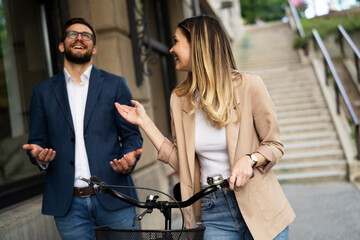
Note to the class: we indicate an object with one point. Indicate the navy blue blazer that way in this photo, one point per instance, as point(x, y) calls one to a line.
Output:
point(106, 134)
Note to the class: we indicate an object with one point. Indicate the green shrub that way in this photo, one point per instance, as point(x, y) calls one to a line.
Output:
point(299, 42)
point(327, 25)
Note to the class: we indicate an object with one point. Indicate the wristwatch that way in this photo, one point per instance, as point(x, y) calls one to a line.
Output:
point(254, 158)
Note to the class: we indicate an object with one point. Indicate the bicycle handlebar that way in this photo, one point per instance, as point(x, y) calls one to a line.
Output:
point(216, 183)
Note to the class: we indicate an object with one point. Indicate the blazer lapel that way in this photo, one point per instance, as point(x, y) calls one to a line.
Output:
point(189, 132)
point(95, 83)
point(232, 131)
point(60, 92)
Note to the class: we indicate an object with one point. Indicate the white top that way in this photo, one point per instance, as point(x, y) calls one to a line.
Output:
point(77, 94)
point(211, 148)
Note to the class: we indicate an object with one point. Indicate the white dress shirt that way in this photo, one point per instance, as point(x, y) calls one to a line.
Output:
point(77, 94)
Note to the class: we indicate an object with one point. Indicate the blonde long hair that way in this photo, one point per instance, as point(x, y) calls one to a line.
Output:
point(213, 68)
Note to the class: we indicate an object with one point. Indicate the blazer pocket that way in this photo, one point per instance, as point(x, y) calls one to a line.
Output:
point(269, 196)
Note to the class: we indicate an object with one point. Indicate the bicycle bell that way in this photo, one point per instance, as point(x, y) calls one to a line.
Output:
point(215, 180)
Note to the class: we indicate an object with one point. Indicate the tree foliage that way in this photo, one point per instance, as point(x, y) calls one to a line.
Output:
point(266, 10)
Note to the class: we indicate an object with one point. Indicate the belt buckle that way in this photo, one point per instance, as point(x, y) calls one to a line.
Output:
point(84, 192)
point(82, 195)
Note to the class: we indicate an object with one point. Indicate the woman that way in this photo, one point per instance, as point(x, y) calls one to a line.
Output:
point(223, 121)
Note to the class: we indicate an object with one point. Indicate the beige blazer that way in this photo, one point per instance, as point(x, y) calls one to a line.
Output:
point(262, 202)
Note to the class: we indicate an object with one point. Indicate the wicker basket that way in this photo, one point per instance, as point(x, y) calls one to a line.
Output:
point(106, 233)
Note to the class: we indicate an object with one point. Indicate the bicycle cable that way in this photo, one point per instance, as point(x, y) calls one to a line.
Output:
point(158, 191)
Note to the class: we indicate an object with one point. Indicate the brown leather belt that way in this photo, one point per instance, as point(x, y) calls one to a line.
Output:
point(84, 192)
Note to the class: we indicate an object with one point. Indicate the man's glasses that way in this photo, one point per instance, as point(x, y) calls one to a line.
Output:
point(84, 35)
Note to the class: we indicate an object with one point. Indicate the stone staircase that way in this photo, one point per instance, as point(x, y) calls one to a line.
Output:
point(312, 148)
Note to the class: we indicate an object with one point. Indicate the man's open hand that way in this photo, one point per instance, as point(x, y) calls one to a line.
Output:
point(40, 154)
point(126, 163)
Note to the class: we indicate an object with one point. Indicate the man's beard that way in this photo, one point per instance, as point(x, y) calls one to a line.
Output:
point(77, 58)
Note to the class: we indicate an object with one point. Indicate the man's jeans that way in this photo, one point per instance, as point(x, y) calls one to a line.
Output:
point(87, 213)
point(222, 218)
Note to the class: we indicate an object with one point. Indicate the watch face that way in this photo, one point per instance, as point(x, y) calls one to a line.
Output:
point(255, 159)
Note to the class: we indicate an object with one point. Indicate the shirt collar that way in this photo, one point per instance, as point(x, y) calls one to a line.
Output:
point(84, 77)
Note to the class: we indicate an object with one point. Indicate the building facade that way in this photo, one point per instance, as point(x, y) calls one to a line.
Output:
point(133, 39)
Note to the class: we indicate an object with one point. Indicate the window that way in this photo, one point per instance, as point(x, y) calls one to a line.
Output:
point(151, 41)
point(24, 61)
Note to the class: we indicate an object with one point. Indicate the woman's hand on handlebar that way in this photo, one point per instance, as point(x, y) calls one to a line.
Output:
point(134, 115)
point(241, 173)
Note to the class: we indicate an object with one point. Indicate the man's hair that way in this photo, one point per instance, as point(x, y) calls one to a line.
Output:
point(73, 21)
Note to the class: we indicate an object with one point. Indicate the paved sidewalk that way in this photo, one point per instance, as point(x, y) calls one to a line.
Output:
point(324, 210)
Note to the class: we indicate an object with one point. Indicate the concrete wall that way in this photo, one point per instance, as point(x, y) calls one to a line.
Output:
point(24, 221)
point(229, 14)
point(332, 45)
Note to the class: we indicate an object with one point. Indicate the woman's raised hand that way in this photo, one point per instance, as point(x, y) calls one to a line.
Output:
point(137, 115)
point(134, 115)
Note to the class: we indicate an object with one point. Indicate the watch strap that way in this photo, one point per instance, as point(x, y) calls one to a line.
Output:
point(255, 162)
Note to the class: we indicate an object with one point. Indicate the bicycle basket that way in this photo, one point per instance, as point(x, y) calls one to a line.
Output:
point(106, 233)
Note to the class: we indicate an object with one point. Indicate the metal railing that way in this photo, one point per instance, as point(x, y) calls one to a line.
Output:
point(338, 88)
point(344, 35)
point(297, 19)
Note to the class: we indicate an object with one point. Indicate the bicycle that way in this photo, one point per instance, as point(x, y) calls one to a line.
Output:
point(103, 232)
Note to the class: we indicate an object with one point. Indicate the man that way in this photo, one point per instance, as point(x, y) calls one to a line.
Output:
point(76, 131)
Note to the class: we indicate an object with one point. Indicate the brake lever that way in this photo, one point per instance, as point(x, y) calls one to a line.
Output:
point(139, 217)
point(93, 181)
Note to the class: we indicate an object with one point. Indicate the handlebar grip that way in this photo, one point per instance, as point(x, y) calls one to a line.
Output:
point(96, 180)
point(177, 192)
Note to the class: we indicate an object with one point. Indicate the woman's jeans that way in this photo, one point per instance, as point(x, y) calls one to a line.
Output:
point(222, 218)
point(87, 213)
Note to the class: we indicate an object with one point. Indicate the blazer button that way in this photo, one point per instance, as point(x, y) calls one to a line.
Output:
point(72, 139)
point(72, 163)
